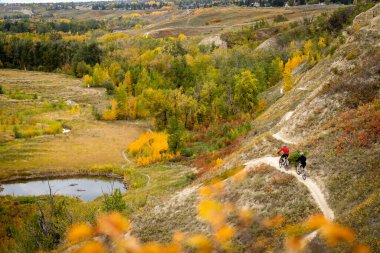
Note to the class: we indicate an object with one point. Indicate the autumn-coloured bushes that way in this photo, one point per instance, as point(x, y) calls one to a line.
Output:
point(229, 227)
point(360, 127)
point(29, 131)
point(151, 147)
point(361, 85)
point(281, 178)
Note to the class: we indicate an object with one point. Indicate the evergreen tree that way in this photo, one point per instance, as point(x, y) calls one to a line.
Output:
point(176, 131)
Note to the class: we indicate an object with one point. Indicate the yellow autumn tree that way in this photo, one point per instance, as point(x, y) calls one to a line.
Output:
point(294, 50)
point(307, 49)
point(150, 147)
point(128, 82)
point(290, 65)
point(87, 81)
point(110, 114)
point(113, 72)
point(288, 79)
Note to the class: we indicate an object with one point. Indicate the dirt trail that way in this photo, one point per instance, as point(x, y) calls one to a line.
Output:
point(313, 188)
point(315, 191)
point(278, 135)
point(129, 162)
point(280, 138)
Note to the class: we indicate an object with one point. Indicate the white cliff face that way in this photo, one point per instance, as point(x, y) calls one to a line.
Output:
point(213, 40)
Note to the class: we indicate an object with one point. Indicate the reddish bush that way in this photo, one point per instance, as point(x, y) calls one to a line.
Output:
point(359, 127)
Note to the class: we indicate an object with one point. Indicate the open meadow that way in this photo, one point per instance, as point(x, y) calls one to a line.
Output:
point(35, 103)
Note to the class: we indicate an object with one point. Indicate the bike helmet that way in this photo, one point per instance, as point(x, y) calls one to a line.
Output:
point(301, 153)
point(284, 145)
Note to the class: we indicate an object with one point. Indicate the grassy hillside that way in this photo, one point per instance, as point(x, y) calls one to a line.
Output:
point(219, 20)
point(334, 117)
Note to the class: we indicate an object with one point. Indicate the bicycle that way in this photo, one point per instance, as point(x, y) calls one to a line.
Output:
point(301, 171)
point(283, 162)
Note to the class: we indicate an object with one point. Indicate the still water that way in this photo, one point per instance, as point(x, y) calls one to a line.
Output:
point(86, 189)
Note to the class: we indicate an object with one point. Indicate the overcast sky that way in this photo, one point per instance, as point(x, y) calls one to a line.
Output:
point(47, 1)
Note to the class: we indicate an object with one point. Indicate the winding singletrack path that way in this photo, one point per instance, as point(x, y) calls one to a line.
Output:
point(129, 161)
point(313, 188)
point(278, 135)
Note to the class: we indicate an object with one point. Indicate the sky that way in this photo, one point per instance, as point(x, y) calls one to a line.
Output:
point(47, 1)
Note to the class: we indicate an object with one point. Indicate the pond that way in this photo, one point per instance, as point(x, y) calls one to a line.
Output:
point(86, 189)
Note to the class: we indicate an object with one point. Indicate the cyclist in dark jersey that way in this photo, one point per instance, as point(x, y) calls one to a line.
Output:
point(302, 160)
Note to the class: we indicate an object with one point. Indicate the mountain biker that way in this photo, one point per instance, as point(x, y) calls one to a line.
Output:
point(302, 160)
point(285, 152)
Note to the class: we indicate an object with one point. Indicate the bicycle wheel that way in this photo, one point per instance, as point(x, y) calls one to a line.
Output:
point(280, 163)
point(286, 164)
point(304, 175)
point(298, 170)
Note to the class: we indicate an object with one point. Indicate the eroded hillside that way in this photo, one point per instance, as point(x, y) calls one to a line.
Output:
point(332, 114)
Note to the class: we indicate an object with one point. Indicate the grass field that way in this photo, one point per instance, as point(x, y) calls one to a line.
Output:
point(44, 99)
point(217, 20)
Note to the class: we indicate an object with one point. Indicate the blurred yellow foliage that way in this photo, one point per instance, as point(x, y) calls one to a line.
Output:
point(200, 242)
point(334, 233)
point(224, 234)
point(316, 221)
point(181, 36)
point(246, 216)
point(294, 244)
point(79, 232)
point(211, 211)
point(113, 224)
point(273, 222)
point(91, 247)
point(217, 214)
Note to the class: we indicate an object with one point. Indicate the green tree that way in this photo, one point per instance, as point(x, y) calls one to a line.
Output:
point(116, 73)
point(143, 82)
point(121, 97)
point(176, 132)
point(114, 201)
point(275, 71)
point(180, 73)
point(246, 91)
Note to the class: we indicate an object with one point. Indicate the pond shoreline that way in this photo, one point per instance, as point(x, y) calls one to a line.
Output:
point(86, 188)
point(62, 175)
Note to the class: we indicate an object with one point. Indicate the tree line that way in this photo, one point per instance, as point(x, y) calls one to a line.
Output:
point(46, 53)
point(30, 26)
